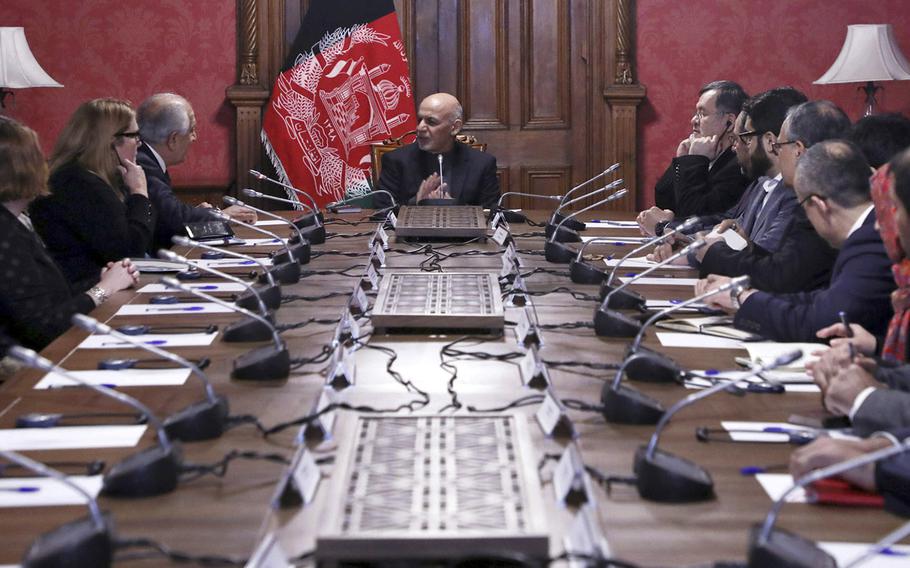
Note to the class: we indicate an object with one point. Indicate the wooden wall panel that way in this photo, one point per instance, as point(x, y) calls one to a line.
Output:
point(546, 88)
point(483, 82)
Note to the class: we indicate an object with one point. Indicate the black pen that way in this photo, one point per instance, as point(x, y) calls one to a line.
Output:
point(843, 319)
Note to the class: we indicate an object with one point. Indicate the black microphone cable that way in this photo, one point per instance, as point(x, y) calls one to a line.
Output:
point(157, 549)
point(191, 471)
point(448, 350)
point(341, 272)
point(290, 298)
point(306, 322)
point(348, 235)
point(606, 481)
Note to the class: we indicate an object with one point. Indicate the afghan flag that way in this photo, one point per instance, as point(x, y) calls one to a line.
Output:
point(345, 85)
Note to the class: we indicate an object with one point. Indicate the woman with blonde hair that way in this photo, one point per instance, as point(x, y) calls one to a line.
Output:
point(98, 210)
point(36, 302)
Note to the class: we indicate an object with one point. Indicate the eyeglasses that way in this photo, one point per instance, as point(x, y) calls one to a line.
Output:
point(133, 134)
point(701, 115)
point(744, 135)
point(775, 146)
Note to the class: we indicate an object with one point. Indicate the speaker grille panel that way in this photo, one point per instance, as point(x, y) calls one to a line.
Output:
point(439, 300)
point(466, 221)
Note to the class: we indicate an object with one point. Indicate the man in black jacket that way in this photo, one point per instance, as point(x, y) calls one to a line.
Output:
point(167, 125)
point(704, 177)
point(412, 173)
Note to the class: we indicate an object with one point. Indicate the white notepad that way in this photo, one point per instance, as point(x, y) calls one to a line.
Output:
point(207, 287)
point(123, 378)
point(228, 262)
point(664, 304)
point(763, 352)
point(776, 484)
point(71, 437)
point(845, 552)
point(182, 309)
point(643, 262)
point(157, 339)
point(649, 281)
point(609, 223)
point(50, 492)
point(697, 341)
point(269, 222)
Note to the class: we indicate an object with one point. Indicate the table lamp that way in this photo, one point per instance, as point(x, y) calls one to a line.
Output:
point(18, 67)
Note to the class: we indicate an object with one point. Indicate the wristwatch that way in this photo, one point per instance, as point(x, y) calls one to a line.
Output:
point(98, 295)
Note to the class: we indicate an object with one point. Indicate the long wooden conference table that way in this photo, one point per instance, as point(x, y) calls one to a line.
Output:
point(230, 515)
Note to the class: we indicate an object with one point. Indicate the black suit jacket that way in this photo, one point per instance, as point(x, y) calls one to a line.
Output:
point(892, 479)
point(85, 223)
point(861, 286)
point(36, 302)
point(802, 260)
point(471, 175)
point(693, 186)
point(172, 213)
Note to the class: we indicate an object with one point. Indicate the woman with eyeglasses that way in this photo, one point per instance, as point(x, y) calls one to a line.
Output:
point(98, 210)
point(36, 301)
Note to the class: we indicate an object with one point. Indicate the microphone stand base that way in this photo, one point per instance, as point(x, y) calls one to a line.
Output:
point(572, 223)
point(583, 273)
point(308, 220)
point(267, 363)
point(563, 235)
point(204, 420)
point(558, 252)
point(625, 405)
point(624, 299)
point(784, 549)
point(649, 366)
point(153, 471)
point(301, 253)
point(287, 273)
point(610, 323)
point(247, 329)
point(78, 543)
point(666, 478)
point(271, 297)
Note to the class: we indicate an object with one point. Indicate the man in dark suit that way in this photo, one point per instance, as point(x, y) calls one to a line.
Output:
point(437, 166)
point(832, 185)
point(167, 126)
point(704, 177)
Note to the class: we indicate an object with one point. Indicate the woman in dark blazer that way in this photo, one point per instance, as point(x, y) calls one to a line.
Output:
point(36, 301)
point(98, 210)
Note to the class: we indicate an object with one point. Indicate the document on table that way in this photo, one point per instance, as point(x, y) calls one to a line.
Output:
point(658, 281)
point(763, 352)
point(757, 431)
point(156, 339)
point(268, 222)
point(610, 224)
point(793, 382)
point(697, 341)
point(209, 288)
point(71, 437)
point(623, 240)
point(263, 242)
point(897, 556)
point(228, 262)
point(46, 491)
point(776, 484)
point(664, 304)
point(122, 378)
point(643, 262)
point(184, 308)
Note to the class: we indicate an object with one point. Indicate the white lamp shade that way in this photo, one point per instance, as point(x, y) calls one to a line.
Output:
point(870, 53)
point(18, 68)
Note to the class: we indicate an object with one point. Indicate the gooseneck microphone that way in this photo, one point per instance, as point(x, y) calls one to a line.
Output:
point(313, 218)
point(609, 322)
point(314, 234)
point(556, 251)
point(514, 216)
point(150, 472)
point(776, 547)
point(88, 541)
point(625, 405)
point(265, 277)
point(172, 256)
point(573, 224)
point(629, 299)
point(286, 272)
point(664, 477)
point(302, 249)
point(200, 421)
point(569, 233)
point(268, 363)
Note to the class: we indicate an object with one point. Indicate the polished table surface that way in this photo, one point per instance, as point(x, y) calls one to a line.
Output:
point(230, 515)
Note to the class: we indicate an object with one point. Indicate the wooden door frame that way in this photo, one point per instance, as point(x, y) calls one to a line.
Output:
point(261, 50)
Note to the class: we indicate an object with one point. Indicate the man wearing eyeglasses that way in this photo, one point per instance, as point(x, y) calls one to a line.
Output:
point(704, 177)
point(167, 127)
point(832, 186)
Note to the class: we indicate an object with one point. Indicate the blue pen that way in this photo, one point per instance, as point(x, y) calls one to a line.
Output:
point(156, 342)
point(618, 243)
point(205, 287)
point(891, 552)
point(22, 489)
point(184, 309)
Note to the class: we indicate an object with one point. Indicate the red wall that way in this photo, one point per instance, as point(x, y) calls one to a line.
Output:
point(99, 48)
point(683, 44)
